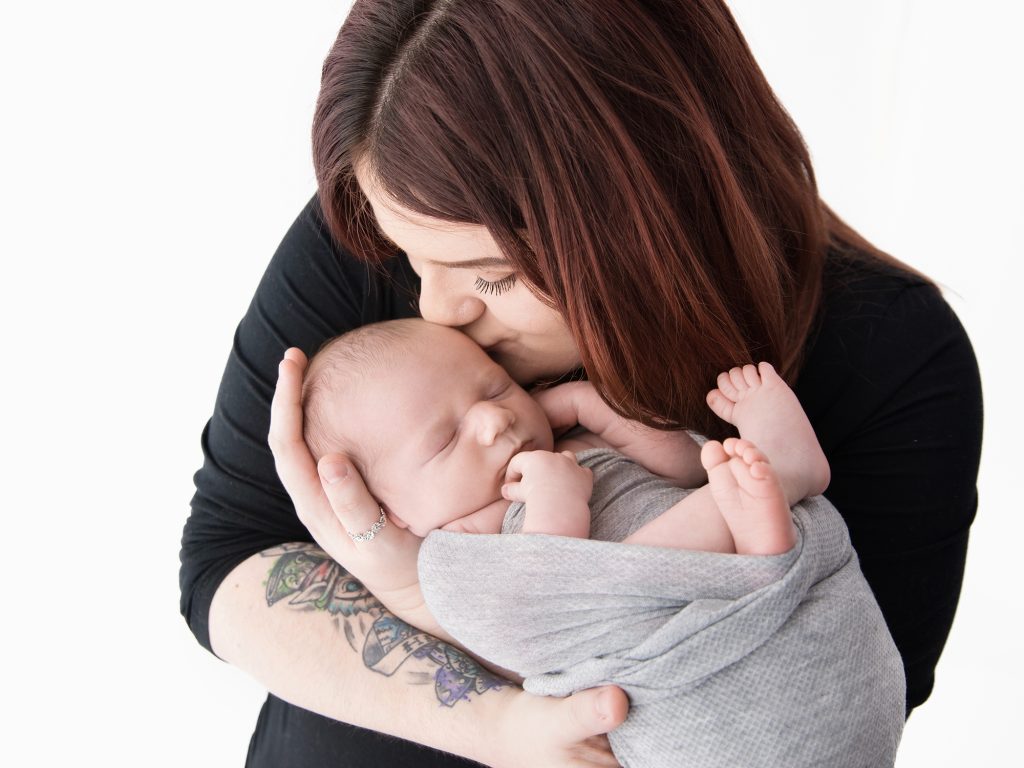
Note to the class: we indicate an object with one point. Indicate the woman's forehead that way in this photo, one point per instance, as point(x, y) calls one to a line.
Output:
point(420, 236)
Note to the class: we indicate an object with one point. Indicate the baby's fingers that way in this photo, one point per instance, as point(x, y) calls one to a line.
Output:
point(517, 467)
point(513, 492)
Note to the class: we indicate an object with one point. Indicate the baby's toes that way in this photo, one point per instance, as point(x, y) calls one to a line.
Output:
point(726, 387)
point(738, 380)
point(712, 455)
point(757, 478)
point(761, 470)
point(751, 454)
point(736, 446)
point(720, 404)
point(751, 376)
point(767, 373)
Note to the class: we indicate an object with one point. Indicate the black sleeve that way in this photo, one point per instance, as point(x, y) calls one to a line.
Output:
point(896, 400)
point(309, 292)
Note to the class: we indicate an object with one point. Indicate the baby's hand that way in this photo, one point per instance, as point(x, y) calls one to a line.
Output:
point(542, 476)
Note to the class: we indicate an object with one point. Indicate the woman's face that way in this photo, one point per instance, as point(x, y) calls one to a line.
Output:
point(466, 283)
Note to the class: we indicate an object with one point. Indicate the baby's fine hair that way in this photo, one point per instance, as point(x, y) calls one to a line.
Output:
point(340, 363)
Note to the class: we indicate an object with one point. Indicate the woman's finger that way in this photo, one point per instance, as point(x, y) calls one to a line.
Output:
point(295, 465)
point(346, 493)
point(297, 356)
point(384, 562)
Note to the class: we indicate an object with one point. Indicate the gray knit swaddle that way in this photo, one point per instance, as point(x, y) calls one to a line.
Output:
point(728, 660)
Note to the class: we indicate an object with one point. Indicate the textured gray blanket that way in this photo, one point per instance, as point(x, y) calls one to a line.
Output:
point(728, 660)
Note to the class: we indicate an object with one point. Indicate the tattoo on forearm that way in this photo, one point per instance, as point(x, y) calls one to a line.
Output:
point(310, 580)
point(305, 573)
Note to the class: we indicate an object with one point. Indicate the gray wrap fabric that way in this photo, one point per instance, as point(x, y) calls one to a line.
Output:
point(728, 660)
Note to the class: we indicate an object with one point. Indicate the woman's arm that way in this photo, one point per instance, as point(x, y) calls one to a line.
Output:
point(892, 389)
point(670, 454)
point(312, 634)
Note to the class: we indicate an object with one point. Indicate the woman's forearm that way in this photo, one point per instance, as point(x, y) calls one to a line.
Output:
point(300, 624)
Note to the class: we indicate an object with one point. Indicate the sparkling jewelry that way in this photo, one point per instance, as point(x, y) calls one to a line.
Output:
point(374, 529)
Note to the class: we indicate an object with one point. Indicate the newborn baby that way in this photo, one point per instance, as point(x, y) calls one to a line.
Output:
point(739, 625)
point(445, 439)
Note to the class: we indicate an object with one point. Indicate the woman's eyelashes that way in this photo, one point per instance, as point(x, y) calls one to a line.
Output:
point(495, 287)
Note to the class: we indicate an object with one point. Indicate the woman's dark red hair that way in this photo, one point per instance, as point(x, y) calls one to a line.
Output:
point(627, 155)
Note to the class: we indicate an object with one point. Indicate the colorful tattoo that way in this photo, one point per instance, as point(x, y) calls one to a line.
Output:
point(307, 576)
point(312, 580)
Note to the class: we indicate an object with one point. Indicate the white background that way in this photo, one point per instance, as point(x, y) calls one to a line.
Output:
point(152, 156)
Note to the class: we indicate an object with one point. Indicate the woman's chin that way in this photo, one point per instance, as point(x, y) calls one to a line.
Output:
point(528, 368)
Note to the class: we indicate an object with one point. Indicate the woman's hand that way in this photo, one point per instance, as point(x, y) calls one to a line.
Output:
point(331, 500)
point(545, 732)
point(671, 454)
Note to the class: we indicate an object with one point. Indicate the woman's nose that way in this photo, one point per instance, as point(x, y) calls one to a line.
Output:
point(440, 303)
point(490, 421)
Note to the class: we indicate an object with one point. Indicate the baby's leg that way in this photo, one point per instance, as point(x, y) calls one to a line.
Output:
point(749, 497)
point(766, 412)
point(694, 523)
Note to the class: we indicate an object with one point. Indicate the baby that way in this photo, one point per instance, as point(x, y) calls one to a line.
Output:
point(444, 438)
point(741, 629)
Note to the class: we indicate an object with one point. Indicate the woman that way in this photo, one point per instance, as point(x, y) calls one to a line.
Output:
point(595, 185)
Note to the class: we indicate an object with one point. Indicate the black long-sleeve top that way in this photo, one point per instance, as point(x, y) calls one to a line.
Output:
point(890, 384)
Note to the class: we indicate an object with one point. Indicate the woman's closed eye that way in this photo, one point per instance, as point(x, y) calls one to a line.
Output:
point(495, 287)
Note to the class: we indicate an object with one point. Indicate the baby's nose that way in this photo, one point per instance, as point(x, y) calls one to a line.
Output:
point(492, 420)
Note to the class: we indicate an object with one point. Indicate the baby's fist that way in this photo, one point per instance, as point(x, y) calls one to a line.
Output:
point(533, 474)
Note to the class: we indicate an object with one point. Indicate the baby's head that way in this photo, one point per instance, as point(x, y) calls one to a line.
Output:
point(428, 419)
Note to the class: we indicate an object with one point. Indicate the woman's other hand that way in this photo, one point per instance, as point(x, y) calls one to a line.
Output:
point(546, 732)
point(331, 500)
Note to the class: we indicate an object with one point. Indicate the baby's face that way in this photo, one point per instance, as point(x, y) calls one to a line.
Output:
point(440, 428)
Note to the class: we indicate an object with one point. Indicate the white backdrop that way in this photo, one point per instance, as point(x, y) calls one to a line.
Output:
point(151, 159)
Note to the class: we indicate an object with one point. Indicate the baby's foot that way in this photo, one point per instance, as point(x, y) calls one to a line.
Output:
point(749, 496)
point(764, 409)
